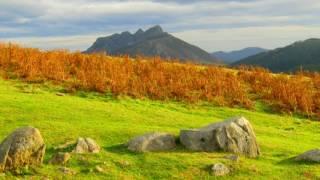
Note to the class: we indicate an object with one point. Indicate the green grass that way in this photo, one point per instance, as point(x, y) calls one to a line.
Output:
point(112, 122)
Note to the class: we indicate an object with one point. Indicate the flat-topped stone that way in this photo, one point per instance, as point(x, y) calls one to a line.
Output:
point(234, 135)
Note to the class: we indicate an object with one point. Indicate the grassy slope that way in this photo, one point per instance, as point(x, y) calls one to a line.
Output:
point(112, 122)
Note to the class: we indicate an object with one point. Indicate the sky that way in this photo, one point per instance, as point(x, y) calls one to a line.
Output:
point(213, 25)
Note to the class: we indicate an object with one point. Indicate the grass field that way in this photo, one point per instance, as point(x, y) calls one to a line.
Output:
point(112, 122)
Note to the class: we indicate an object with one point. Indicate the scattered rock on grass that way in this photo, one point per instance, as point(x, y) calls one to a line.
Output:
point(311, 156)
point(60, 158)
point(152, 142)
point(86, 145)
point(233, 135)
point(220, 169)
point(25, 146)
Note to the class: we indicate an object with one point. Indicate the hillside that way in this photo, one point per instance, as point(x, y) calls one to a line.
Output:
point(111, 122)
point(303, 54)
point(152, 42)
point(233, 56)
point(157, 79)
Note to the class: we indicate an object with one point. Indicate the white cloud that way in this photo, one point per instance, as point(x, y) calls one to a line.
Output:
point(237, 38)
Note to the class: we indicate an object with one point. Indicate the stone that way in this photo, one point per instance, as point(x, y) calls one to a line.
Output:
point(220, 169)
point(152, 142)
point(234, 135)
point(67, 171)
point(23, 147)
point(86, 145)
point(60, 158)
point(310, 156)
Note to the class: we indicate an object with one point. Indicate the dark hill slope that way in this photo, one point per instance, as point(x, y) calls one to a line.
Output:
point(302, 54)
point(233, 56)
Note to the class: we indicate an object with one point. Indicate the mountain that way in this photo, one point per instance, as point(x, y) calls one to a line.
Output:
point(152, 42)
point(302, 54)
point(233, 56)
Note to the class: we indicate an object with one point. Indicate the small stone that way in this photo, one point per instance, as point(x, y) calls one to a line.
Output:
point(86, 145)
point(220, 169)
point(68, 171)
point(60, 158)
point(232, 157)
point(99, 169)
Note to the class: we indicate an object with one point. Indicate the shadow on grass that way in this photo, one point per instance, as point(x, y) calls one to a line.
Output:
point(122, 149)
point(119, 149)
point(292, 161)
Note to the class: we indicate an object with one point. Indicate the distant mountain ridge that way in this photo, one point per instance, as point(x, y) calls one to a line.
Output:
point(152, 42)
point(301, 54)
point(233, 56)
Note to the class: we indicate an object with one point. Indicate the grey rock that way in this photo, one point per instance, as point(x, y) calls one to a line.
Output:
point(25, 146)
point(233, 135)
point(152, 142)
point(311, 156)
point(220, 169)
point(86, 145)
point(60, 158)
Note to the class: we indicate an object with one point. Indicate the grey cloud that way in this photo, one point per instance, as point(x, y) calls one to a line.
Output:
point(50, 18)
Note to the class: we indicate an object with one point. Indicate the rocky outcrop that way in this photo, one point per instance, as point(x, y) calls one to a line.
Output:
point(25, 146)
point(310, 156)
point(152, 42)
point(152, 142)
point(233, 135)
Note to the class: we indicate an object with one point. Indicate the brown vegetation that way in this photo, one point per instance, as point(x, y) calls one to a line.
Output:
point(163, 80)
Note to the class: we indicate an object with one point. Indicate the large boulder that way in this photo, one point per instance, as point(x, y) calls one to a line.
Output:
point(25, 146)
point(152, 142)
point(310, 156)
point(233, 135)
point(86, 145)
